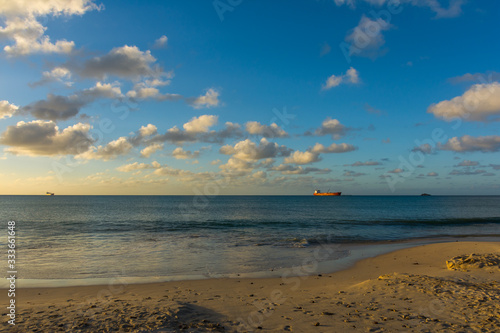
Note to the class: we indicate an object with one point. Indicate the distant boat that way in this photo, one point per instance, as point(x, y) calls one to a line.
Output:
point(319, 193)
point(425, 195)
point(49, 193)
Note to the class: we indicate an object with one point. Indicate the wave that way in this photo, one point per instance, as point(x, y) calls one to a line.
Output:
point(328, 239)
point(420, 222)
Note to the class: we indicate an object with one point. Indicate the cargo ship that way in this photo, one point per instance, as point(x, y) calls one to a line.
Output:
point(318, 192)
point(49, 193)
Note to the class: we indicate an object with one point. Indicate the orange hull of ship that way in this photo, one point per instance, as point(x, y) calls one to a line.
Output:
point(328, 193)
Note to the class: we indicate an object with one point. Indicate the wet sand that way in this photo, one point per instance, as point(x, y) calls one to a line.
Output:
point(449, 287)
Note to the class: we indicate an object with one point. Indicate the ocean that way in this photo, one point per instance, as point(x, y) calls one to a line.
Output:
point(72, 240)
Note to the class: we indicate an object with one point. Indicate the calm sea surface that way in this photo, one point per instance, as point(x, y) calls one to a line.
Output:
point(88, 237)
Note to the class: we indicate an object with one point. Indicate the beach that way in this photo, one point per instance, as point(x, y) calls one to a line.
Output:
point(249, 166)
point(450, 286)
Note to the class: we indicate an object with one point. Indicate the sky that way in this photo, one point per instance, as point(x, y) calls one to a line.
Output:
point(366, 97)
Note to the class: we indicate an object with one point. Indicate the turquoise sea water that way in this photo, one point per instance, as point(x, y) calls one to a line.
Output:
point(89, 237)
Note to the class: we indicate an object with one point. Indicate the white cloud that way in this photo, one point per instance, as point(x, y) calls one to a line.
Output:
point(148, 90)
point(161, 42)
point(312, 155)
point(200, 124)
point(259, 175)
point(143, 92)
point(298, 170)
point(237, 167)
point(489, 76)
point(45, 7)
point(112, 150)
point(231, 130)
point(376, 2)
point(169, 171)
point(366, 38)
point(160, 82)
point(480, 103)
point(152, 78)
point(7, 109)
point(247, 150)
point(468, 163)
point(330, 127)
point(351, 76)
point(57, 107)
point(176, 136)
point(29, 38)
point(182, 154)
point(350, 3)
point(305, 157)
point(367, 163)
point(332, 81)
point(348, 173)
point(210, 99)
point(467, 172)
point(28, 34)
point(100, 90)
point(151, 149)
point(454, 9)
point(126, 62)
point(138, 166)
point(423, 148)
point(267, 131)
point(467, 143)
point(197, 129)
point(333, 148)
point(57, 74)
point(40, 137)
point(148, 130)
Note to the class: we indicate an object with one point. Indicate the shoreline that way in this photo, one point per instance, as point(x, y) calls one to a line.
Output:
point(338, 262)
point(410, 288)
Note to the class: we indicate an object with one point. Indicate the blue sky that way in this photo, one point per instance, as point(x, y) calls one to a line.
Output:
point(249, 97)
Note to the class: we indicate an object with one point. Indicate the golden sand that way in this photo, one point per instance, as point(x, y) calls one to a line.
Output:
point(446, 287)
